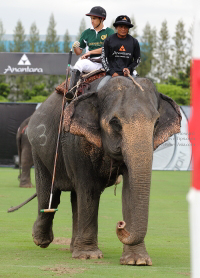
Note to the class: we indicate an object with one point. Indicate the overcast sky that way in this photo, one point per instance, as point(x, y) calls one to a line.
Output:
point(68, 14)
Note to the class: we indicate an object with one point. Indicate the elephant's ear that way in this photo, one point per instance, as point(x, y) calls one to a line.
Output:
point(169, 121)
point(81, 117)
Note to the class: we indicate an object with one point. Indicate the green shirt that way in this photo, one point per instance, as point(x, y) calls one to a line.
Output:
point(93, 40)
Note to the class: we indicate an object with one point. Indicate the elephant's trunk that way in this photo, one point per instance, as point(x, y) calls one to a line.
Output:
point(122, 233)
point(137, 153)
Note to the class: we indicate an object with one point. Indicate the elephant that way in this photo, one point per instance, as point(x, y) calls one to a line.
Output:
point(25, 154)
point(104, 134)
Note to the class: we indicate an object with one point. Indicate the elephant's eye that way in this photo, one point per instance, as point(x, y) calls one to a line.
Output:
point(156, 123)
point(115, 123)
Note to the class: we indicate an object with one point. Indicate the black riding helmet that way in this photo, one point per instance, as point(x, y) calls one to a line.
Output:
point(123, 20)
point(97, 11)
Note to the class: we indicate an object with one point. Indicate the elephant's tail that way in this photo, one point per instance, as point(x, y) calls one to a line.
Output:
point(22, 204)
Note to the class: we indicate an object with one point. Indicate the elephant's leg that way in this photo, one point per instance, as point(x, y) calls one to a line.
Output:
point(135, 255)
point(26, 164)
point(42, 228)
point(85, 245)
point(74, 219)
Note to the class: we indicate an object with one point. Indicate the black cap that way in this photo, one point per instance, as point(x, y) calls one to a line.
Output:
point(123, 20)
point(97, 11)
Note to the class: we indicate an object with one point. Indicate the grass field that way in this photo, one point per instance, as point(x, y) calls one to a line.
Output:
point(167, 238)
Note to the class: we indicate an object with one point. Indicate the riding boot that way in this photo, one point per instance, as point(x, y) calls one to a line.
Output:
point(75, 75)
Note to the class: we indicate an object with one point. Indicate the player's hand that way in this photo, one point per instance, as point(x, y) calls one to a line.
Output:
point(86, 55)
point(76, 44)
point(126, 71)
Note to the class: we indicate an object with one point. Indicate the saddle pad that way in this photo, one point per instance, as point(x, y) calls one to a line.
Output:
point(60, 89)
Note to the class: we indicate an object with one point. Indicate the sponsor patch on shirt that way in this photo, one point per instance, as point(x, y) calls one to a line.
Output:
point(122, 48)
point(103, 37)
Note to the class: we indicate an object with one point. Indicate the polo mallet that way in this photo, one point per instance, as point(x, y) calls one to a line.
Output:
point(58, 139)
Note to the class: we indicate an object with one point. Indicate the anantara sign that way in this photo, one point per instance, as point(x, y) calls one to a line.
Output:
point(34, 63)
point(25, 67)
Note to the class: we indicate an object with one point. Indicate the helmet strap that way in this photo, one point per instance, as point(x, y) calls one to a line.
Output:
point(99, 23)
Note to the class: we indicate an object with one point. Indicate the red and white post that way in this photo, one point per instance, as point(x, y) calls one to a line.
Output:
point(194, 130)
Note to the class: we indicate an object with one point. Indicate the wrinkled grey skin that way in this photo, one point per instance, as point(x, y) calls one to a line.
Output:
point(25, 155)
point(117, 128)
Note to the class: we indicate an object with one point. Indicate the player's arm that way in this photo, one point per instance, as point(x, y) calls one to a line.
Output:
point(92, 52)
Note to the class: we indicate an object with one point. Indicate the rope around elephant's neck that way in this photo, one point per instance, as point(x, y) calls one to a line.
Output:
point(76, 86)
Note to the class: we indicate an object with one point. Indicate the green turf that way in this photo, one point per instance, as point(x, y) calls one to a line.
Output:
point(167, 238)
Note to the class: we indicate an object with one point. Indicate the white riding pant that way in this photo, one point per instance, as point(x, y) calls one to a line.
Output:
point(87, 65)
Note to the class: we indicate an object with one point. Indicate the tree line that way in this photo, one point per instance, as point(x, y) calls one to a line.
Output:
point(165, 59)
point(32, 43)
